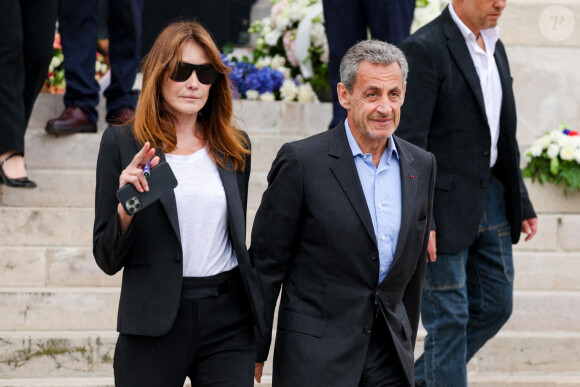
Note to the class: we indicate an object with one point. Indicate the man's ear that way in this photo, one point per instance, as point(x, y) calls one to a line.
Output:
point(343, 96)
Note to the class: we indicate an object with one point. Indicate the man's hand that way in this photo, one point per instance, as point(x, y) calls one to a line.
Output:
point(432, 247)
point(258, 371)
point(530, 227)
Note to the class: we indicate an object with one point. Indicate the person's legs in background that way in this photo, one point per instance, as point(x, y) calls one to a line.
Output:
point(345, 25)
point(389, 21)
point(490, 270)
point(78, 25)
point(467, 298)
point(26, 36)
point(124, 23)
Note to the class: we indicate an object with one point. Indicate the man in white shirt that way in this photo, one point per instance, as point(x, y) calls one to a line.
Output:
point(460, 106)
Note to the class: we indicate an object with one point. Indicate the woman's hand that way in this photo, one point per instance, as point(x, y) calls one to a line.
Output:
point(133, 174)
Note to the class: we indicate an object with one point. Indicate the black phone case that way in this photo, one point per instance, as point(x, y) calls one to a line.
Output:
point(161, 180)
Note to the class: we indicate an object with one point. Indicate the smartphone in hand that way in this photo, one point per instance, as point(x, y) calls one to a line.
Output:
point(161, 180)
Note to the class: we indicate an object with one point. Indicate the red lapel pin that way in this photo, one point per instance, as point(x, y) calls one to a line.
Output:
point(412, 176)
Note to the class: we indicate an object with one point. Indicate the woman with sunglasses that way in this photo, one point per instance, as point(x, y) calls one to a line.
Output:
point(190, 299)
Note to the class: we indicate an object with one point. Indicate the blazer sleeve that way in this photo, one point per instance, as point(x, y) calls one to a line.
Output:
point(413, 291)
point(109, 248)
point(274, 233)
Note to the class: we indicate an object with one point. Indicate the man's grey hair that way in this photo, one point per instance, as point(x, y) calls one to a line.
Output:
point(374, 51)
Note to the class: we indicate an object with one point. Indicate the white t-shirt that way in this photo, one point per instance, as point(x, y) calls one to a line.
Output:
point(202, 212)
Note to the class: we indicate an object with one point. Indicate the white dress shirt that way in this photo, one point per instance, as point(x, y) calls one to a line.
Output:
point(488, 76)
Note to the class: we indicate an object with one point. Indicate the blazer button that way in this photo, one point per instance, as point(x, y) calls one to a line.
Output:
point(178, 258)
point(367, 329)
point(373, 255)
point(483, 183)
point(486, 152)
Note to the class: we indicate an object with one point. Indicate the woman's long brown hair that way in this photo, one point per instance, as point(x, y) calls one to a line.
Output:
point(153, 121)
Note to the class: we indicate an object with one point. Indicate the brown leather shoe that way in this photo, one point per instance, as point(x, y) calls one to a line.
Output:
point(121, 116)
point(72, 120)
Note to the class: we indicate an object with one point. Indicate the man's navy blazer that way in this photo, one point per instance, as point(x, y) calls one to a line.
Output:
point(313, 236)
point(151, 254)
point(444, 113)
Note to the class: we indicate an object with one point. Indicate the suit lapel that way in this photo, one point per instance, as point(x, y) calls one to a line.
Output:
point(460, 52)
point(408, 193)
point(168, 199)
point(345, 172)
point(236, 218)
point(170, 205)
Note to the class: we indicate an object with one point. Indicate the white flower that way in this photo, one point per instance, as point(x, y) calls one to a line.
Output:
point(536, 150)
point(252, 95)
point(295, 12)
point(289, 90)
point(553, 151)
point(286, 71)
point(306, 94)
point(577, 155)
point(55, 62)
point(318, 35)
point(278, 62)
point(555, 135)
point(283, 20)
point(267, 96)
point(264, 61)
point(565, 140)
point(567, 153)
point(271, 38)
point(543, 141)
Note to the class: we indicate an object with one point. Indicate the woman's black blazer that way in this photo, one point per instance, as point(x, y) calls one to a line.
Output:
point(151, 254)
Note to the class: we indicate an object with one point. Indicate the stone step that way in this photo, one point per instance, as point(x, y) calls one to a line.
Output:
point(75, 266)
point(52, 266)
point(65, 308)
point(56, 188)
point(523, 380)
point(29, 226)
point(269, 125)
point(74, 354)
point(58, 308)
point(58, 382)
point(476, 380)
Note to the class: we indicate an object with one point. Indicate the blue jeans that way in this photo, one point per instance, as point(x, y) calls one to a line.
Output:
point(467, 298)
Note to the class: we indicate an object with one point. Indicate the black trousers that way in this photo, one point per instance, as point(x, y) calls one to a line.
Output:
point(26, 37)
point(212, 341)
point(382, 367)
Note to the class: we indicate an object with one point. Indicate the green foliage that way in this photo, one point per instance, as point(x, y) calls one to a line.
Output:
point(561, 173)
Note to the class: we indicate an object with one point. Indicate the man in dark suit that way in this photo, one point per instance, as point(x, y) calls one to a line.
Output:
point(461, 107)
point(343, 227)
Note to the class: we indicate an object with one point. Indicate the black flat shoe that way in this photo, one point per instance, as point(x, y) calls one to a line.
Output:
point(20, 182)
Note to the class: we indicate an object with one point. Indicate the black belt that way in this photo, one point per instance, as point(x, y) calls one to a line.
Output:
point(198, 288)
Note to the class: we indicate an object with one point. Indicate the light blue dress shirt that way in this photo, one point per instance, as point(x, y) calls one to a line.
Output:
point(382, 189)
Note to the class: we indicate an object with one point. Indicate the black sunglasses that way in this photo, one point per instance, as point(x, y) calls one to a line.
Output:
point(206, 74)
